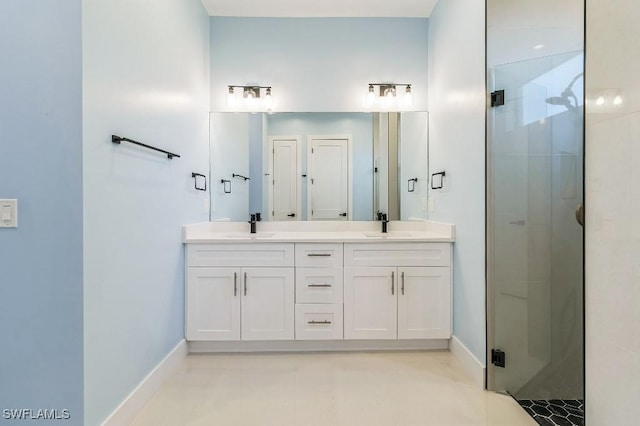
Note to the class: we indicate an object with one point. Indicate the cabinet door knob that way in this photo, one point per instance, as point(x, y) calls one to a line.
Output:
point(393, 283)
point(319, 322)
point(402, 277)
point(319, 285)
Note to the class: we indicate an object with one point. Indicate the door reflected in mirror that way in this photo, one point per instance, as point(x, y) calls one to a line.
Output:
point(319, 166)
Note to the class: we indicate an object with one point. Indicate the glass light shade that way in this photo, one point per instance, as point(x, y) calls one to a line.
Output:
point(407, 100)
point(371, 96)
point(231, 98)
point(267, 101)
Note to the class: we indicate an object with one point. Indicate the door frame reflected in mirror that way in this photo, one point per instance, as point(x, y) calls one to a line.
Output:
point(365, 159)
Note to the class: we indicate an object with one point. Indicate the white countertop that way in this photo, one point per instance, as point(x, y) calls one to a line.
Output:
point(318, 232)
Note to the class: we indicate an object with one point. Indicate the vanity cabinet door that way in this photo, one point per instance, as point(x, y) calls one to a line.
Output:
point(370, 303)
point(424, 303)
point(268, 304)
point(213, 304)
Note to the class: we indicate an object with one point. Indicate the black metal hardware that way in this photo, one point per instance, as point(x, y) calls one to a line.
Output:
point(117, 139)
point(245, 283)
point(343, 214)
point(292, 215)
point(225, 188)
point(240, 176)
point(411, 185)
point(195, 183)
point(441, 184)
point(319, 322)
point(497, 98)
point(384, 220)
point(498, 358)
point(393, 283)
point(319, 285)
point(253, 223)
point(402, 278)
point(304, 175)
point(319, 254)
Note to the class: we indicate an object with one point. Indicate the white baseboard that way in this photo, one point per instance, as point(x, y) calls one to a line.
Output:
point(132, 405)
point(317, 346)
point(474, 368)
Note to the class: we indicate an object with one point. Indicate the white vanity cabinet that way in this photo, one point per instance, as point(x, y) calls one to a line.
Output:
point(240, 292)
point(370, 303)
point(319, 291)
point(348, 294)
point(397, 291)
point(213, 304)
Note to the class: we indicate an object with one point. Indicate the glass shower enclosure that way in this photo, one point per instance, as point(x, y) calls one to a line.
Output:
point(535, 238)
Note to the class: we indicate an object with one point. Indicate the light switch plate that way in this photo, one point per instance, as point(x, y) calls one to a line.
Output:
point(9, 213)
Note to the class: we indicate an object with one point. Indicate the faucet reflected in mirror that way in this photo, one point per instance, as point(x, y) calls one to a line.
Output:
point(320, 166)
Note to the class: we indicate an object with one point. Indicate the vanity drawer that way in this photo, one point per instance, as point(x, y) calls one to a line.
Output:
point(397, 254)
point(244, 255)
point(319, 322)
point(319, 255)
point(319, 285)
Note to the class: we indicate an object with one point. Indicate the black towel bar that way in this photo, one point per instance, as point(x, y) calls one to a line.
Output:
point(118, 139)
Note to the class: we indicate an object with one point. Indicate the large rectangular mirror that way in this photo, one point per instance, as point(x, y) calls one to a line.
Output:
point(319, 165)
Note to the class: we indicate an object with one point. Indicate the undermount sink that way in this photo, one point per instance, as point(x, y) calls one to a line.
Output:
point(247, 235)
point(261, 235)
point(391, 234)
point(237, 235)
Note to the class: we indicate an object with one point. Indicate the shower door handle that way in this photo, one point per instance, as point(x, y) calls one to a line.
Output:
point(580, 214)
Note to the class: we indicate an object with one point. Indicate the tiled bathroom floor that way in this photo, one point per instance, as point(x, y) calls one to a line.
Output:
point(555, 412)
point(406, 388)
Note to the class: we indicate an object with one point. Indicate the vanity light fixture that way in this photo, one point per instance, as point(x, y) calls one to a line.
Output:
point(388, 97)
point(249, 98)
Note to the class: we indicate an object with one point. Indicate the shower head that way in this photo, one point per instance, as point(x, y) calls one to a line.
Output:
point(566, 96)
point(559, 100)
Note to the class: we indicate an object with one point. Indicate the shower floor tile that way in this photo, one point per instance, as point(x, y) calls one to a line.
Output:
point(555, 412)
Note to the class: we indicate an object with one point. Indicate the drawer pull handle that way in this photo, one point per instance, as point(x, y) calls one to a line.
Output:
point(320, 285)
point(319, 322)
point(319, 254)
point(403, 283)
point(235, 284)
point(245, 283)
point(393, 283)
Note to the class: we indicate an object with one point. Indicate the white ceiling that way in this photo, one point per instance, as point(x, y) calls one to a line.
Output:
point(320, 8)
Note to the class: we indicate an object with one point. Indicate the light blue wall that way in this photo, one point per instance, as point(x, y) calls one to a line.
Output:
point(41, 165)
point(146, 71)
point(414, 144)
point(457, 103)
point(256, 131)
point(229, 150)
point(318, 64)
point(358, 125)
